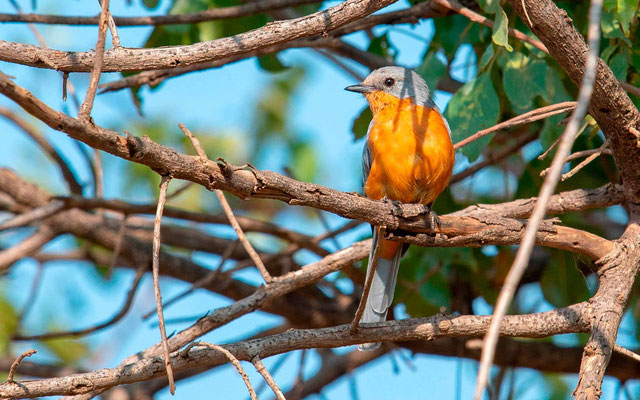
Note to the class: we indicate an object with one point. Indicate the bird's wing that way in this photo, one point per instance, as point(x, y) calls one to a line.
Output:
point(366, 157)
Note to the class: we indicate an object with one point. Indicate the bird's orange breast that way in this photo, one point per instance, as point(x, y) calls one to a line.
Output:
point(411, 150)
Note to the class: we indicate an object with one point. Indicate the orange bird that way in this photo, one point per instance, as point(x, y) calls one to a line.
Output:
point(408, 157)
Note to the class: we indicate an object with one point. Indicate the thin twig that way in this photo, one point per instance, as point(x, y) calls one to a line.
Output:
point(579, 154)
point(30, 245)
point(99, 180)
point(229, 212)
point(54, 154)
point(475, 17)
point(492, 158)
point(274, 369)
point(33, 294)
point(524, 252)
point(17, 362)
point(257, 363)
point(531, 116)
point(243, 238)
point(555, 142)
point(213, 274)
point(526, 14)
point(116, 250)
point(626, 352)
point(298, 386)
point(96, 71)
point(367, 284)
point(238, 11)
point(584, 162)
point(82, 332)
point(179, 191)
point(156, 280)
point(231, 358)
point(36, 214)
point(115, 39)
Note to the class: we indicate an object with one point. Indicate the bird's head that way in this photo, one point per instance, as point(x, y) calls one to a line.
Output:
point(399, 82)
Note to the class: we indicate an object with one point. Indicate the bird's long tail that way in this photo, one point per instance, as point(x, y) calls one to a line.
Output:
point(383, 285)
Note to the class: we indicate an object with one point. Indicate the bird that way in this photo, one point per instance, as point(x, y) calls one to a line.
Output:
point(408, 157)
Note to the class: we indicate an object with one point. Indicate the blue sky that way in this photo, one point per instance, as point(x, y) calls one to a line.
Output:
point(215, 101)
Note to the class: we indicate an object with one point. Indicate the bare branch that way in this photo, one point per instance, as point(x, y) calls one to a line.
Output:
point(232, 359)
point(565, 320)
point(229, 212)
point(17, 362)
point(584, 162)
point(548, 187)
point(30, 245)
point(189, 18)
point(156, 280)
point(37, 214)
point(531, 116)
point(495, 157)
point(115, 39)
point(82, 332)
point(98, 59)
point(257, 362)
point(627, 353)
point(129, 59)
point(57, 157)
point(475, 17)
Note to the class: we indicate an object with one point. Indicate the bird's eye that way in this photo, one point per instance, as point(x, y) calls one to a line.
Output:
point(389, 82)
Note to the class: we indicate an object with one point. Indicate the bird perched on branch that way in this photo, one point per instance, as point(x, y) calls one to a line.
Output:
point(408, 157)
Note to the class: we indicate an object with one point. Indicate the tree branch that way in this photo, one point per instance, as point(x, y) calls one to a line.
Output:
point(566, 320)
point(129, 59)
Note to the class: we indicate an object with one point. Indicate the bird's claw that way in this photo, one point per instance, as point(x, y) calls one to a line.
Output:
point(434, 220)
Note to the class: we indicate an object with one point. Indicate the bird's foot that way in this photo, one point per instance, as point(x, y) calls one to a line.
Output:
point(434, 220)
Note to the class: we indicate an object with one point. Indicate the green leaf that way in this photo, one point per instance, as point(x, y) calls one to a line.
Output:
point(150, 4)
point(523, 79)
point(69, 351)
point(361, 124)
point(431, 69)
point(500, 34)
point(8, 324)
point(608, 52)
point(381, 45)
point(271, 63)
point(555, 93)
point(625, 12)
point(472, 108)
point(611, 28)
point(487, 56)
point(561, 283)
point(453, 31)
point(304, 162)
point(619, 66)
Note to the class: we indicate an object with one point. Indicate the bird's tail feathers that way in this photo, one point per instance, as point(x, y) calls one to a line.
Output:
point(382, 290)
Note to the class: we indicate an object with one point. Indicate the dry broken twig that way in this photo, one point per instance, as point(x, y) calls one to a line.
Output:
point(17, 362)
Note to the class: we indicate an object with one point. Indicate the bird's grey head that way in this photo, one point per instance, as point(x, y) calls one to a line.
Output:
point(398, 81)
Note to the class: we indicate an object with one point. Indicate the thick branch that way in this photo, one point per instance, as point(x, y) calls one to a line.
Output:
point(189, 18)
point(571, 319)
point(129, 59)
point(267, 184)
point(610, 105)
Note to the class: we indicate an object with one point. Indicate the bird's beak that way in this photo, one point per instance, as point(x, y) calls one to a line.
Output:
point(360, 88)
